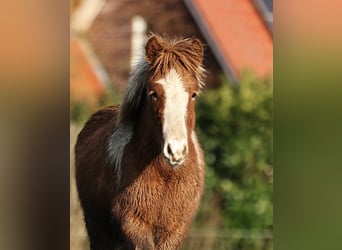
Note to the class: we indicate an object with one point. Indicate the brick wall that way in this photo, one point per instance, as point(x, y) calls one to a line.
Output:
point(110, 33)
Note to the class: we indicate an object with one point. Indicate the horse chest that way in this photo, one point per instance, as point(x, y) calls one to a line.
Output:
point(160, 200)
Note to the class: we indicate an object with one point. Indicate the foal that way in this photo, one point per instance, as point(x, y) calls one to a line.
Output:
point(139, 166)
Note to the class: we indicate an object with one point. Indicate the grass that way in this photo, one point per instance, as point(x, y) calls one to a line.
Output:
point(78, 235)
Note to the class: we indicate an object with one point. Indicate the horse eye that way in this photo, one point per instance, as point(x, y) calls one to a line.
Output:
point(153, 95)
point(194, 95)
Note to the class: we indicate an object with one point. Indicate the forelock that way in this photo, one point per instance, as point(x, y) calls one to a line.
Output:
point(178, 53)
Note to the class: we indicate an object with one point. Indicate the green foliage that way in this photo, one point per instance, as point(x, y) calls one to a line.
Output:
point(234, 125)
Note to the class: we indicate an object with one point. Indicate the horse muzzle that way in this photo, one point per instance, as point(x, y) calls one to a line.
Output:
point(175, 152)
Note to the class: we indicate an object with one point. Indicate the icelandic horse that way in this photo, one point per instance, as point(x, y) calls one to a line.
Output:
point(139, 166)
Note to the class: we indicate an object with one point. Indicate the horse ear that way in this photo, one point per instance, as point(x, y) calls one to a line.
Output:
point(152, 49)
point(197, 46)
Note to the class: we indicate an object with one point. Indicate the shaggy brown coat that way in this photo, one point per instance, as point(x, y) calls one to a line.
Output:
point(132, 198)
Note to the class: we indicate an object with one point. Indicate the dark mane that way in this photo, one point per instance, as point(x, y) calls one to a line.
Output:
point(127, 116)
point(134, 92)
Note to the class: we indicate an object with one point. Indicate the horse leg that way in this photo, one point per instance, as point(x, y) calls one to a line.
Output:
point(139, 232)
point(103, 236)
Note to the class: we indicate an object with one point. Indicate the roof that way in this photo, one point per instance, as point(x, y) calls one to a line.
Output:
point(85, 84)
point(236, 33)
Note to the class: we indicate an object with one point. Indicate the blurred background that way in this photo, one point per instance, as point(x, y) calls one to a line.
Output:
point(234, 112)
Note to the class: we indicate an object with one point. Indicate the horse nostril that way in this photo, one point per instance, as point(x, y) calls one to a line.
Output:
point(169, 151)
point(175, 152)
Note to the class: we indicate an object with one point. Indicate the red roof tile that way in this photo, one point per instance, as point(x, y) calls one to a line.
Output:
point(240, 33)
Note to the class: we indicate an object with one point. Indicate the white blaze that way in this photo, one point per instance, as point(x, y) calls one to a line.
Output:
point(174, 124)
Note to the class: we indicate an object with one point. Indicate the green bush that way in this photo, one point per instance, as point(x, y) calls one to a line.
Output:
point(234, 125)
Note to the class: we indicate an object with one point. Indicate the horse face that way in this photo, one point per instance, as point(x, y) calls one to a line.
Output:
point(173, 102)
point(176, 72)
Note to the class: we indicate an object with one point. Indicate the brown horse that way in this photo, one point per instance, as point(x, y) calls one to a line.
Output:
point(139, 167)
